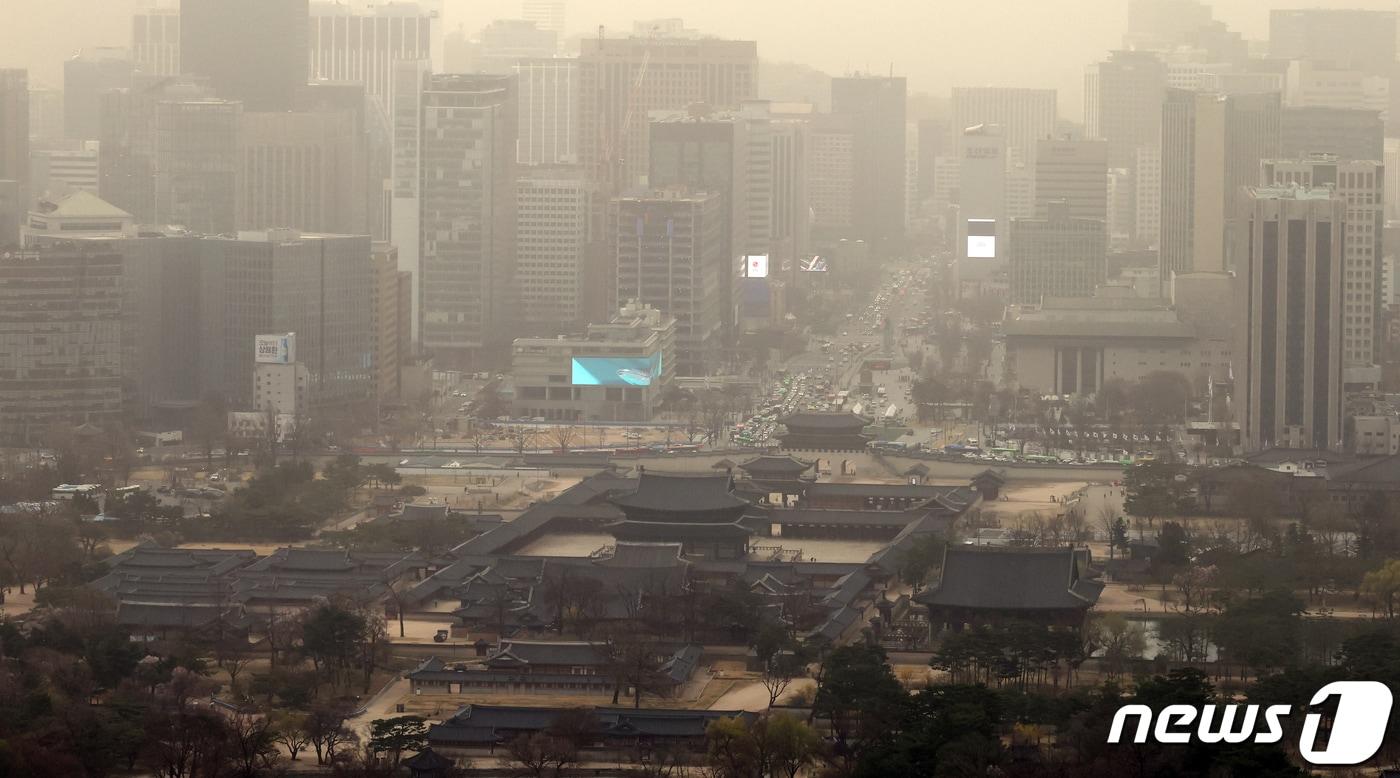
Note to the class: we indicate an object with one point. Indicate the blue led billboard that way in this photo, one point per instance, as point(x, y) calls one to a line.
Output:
point(616, 371)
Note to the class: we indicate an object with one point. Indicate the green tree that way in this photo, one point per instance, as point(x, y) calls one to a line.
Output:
point(858, 693)
point(1384, 584)
point(396, 735)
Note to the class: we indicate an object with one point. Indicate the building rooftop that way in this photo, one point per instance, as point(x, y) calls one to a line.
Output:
point(1012, 579)
point(661, 491)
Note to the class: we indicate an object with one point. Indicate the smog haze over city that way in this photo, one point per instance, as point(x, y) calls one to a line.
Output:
point(437, 388)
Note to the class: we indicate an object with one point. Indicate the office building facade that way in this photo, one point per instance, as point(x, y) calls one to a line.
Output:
point(61, 330)
point(553, 230)
point(361, 46)
point(195, 163)
point(252, 51)
point(155, 41)
point(1075, 171)
point(548, 99)
point(1024, 115)
point(1290, 286)
point(467, 180)
point(1059, 255)
point(14, 128)
point(876, 105)
point(669, 254)
point(86, 76)
point(1360, 186)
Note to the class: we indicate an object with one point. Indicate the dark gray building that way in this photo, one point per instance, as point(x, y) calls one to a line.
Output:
point(254, 51)
point(60, 339)
point(1289, 290)
point(467, 284)
point(86, 77)
point(195, 164)
point(1347, 37)
point(877, 104)
point(1347, 133)
point(669, 247)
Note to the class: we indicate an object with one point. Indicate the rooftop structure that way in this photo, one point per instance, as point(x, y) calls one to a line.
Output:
point(979, 586)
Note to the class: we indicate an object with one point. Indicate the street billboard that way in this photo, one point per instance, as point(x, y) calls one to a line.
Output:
point(275, 349)
point(982, 238)
point(756, 266)
point(616, 371)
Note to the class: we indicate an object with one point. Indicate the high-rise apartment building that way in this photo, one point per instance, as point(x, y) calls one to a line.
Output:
point(14, 127)
point(277, 281)
point(548, 98)
point(61, 330)
point(622, 80)
point(1290, 287)
point(669, 249)
point(86, 76)
point(1360, 185)
point(360, 46)
point(1024, 115)
point(1345, 132)
point(1349, 38)
point(552, 236)
point(1059, 255)
point(195, 164)
point(467, 179)
point(876, 105)
point(1211, 147)
point(253, 51)
point(155, 41)
point(1075, 171)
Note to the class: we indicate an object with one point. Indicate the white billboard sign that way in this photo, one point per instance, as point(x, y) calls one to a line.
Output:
point(275, 349)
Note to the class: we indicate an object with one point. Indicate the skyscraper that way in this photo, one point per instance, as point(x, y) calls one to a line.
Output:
point(1211, 147)
point(552, 234)
point(1347, 133)
point(1056, 256)
point(1123, 103)
point(1075, 171)
point(1024, 115)
point(254, 51)
point(361, 46)
point(195, 164)
point(155, 41)
point(1360, 185)
point(877, 107)
point(546, 14)
point(1288, 363)
point(14, 126)
point(301, 169)
point(62, 359)
point(1346, 37)
point(622, 80)
point(669, 249)
point(317, 286)
point(86, 76)
point(467, 236)
point(406, 175)
point(548, 110)
point(127, 137)
point(831, 175)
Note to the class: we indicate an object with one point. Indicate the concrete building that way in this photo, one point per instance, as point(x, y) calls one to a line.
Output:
point(1310, 84)
point(830, 173)
point(1147, 194)
point(553, 231)
point(581, 378)
point(1357, 39)
point(669, 254)
point(58, 171)
point(195, 164)
point(406, 175)
point(1348, 133)
point(79, 214)
point(361, 45)
point(546, 14)
point(1075, 345)
point(467, 253)
point(983, 220)
point(1058, 255)
point(1024, 115)
point(127, 141)
point(1361, 186)
point(14, 125)
point(252, 51)
point(318, 286)
point(622, 80)
point(60, 340)
point(548, 100)
point(1211, 146)
point(498, 46)
point(86, 76)
point(1075, 171)
point(281, 384)
point(876, 105)
point(775, 200)
point(388, 322)
point(1123, 99)
point(306, 170)
point(1290, 295)
point(155, 41)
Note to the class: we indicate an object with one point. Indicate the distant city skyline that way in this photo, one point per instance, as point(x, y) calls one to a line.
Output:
point(1002, 42)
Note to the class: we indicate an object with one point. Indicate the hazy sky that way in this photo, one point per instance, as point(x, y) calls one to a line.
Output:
point(936, 43)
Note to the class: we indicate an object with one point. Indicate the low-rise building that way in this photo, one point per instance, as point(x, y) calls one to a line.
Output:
point(613, 372)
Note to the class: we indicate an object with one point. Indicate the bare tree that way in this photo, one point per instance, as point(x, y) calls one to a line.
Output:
point(521, 437)
point(563, 436)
